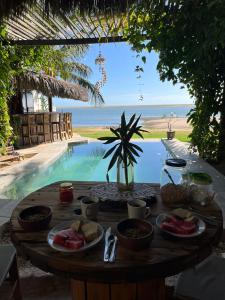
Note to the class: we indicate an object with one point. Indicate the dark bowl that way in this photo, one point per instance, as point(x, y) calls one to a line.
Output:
point(27, 219)
point(135, 243)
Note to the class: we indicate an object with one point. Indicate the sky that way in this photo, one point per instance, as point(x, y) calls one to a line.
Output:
point(122, 86)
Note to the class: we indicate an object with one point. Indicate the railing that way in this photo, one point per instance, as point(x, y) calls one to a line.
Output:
point(36, 128)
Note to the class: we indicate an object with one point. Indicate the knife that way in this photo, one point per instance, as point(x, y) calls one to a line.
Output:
point(106, 250)
point(113, 252)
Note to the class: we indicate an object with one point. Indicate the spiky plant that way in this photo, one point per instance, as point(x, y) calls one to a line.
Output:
point(123, 150)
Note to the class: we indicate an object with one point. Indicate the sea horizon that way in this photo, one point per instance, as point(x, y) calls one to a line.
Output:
point(126, 105)
point(98, 116)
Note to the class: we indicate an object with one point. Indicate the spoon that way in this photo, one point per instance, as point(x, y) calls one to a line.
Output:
point(170, 177)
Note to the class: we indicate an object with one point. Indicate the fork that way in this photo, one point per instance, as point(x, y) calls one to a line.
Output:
point(111, 239)
point(113, 251)
point(211, 218)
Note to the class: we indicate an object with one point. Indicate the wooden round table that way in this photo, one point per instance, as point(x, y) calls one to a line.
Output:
point(134, 275)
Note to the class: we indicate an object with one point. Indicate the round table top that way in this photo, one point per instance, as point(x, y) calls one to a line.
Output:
point(164, 257)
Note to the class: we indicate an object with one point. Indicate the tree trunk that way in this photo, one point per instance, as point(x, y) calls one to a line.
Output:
point(221, 147)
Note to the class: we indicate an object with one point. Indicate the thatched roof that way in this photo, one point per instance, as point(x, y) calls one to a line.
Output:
point(66, 7)
point(50, 86)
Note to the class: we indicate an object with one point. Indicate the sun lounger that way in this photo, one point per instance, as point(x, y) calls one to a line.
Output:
point(11, 155)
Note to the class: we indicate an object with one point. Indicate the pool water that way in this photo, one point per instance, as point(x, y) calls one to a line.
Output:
point(84, 163)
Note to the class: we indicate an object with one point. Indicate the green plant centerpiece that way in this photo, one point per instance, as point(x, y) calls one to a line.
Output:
point(124, 151)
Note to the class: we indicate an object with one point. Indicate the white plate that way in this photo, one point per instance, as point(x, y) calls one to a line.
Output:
point(66, 225)
point(200, 227)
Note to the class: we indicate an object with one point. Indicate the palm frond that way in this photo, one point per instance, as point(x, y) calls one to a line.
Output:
point(95, 96)
point(81, 69)
point(75, 51)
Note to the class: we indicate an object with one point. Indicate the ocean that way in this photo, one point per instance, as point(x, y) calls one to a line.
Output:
point(110, 115)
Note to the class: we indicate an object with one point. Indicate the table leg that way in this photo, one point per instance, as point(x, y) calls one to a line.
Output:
point(78, 290)
point(124, 291)
point(153, 289)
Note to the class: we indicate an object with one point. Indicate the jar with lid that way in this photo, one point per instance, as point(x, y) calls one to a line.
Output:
point(173, 182)
point(200, 187)
point(66, 193)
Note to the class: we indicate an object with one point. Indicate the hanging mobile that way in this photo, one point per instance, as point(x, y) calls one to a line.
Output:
point(139, 70)
point(100, 61)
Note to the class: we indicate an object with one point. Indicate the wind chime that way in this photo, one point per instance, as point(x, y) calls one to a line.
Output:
point(138, 70)
point(100, 61)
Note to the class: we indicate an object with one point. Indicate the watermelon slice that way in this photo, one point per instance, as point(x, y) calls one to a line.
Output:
point(59, 240)
point(178, 226)
point(69, 239)
point(74, 245)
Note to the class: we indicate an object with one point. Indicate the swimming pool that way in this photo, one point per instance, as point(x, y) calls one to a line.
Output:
point(84, 163)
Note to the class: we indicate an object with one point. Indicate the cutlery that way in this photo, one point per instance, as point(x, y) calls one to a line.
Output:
point(196, 212)
point(211, 218)
point(108, 241)
point(207, 219)
point(113, 252)
point(111, 241)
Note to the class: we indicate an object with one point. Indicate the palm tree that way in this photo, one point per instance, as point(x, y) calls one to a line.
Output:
point(64, 62)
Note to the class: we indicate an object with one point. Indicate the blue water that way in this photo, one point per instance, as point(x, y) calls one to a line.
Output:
point(84, 163)
point(110, 116)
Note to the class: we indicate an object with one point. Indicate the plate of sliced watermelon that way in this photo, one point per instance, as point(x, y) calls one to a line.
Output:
point(75, 236)
point(180, 227)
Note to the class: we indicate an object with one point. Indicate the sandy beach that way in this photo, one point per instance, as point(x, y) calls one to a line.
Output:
point(152, 124)
point(162, 123)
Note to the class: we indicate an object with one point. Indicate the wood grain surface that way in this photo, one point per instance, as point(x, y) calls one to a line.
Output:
point(164, 257)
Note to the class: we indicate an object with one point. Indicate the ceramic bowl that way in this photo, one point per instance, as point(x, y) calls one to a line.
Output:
point(135, 234)
point(35, 218)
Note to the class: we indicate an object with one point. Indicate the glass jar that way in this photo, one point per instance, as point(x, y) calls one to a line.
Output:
point(125, 176)
point(200, 187)
point(66, 193)
point(173, 183)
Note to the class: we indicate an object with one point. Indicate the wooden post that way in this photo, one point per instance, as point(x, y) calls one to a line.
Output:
point(26, 101)
point(50, 104)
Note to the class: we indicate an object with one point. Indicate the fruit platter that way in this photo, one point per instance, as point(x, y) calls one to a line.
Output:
point(75, 236)
point(180, 223)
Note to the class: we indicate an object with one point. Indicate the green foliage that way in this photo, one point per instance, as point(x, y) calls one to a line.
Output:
point(13, 61)
point(123, 150)
point(55, 61)
point(5, 76)
point(189, 37)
